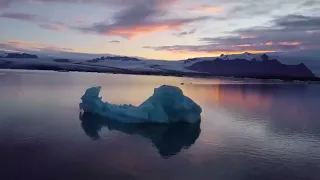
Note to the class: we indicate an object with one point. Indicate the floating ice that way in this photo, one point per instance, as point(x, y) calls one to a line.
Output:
point(166, 105)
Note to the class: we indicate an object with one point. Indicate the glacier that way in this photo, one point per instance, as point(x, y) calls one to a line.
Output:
point(168, 104)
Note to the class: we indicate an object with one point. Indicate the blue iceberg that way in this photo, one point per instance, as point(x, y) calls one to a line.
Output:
point(168, 104)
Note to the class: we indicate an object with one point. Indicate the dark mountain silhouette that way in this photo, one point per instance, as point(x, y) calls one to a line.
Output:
point(265, 69)
point(121, 58)
point(62, 60)
point(20, 55)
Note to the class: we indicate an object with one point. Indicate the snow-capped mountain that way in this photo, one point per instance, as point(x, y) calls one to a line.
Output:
point(3, 54)
point(114, 63)
point(311, 61)
point(246, 55)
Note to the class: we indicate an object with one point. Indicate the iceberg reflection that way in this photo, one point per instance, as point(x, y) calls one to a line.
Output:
point(169, 139)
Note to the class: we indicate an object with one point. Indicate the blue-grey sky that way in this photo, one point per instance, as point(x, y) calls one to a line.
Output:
point(161, 29)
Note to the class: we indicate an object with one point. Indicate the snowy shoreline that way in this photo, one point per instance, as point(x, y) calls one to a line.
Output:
point(222, 67)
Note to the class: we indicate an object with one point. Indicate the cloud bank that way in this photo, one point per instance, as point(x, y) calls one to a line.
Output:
point(287, 33)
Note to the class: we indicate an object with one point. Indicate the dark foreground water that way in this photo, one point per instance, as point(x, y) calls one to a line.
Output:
point(249, 130)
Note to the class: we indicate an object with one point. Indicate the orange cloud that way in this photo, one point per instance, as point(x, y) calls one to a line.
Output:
point(268, 43)
point(35, 46)
point(23, 43)
point(247, 37)
point(244, 45)
point(290, 43)
point(206, 8)
point(132, 32)
point(283, 43)
point(241, 52)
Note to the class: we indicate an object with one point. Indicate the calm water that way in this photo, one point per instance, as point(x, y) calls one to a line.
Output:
point(249, 130)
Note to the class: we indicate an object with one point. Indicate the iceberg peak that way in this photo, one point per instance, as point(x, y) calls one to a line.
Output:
point(168, 104)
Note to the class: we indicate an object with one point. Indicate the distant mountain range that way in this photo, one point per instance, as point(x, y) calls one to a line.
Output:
point(116, 58)
point(247, 65)
point(258, 67)
point(18, 55)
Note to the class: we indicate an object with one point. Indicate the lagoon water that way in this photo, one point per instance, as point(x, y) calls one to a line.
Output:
point(250, 130)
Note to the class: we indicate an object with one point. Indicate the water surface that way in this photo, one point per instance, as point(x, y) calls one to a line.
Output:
point(249, 130)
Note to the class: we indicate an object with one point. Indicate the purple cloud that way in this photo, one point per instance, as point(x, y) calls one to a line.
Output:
point(54, 27)
point(123, 3)
point(140, 18)
point(42, 22)
point(21, 16)
point(134, 29)
point(136, 17)
point(288, 33)
point(299, 22)
point(4, 3)
point(185, 33)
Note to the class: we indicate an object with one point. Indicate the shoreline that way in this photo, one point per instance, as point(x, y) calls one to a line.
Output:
point(172, 73)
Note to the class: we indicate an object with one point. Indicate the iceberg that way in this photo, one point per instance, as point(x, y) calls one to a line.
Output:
point(168, 104)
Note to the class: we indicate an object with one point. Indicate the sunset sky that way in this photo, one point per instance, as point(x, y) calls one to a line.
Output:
point(160, 29)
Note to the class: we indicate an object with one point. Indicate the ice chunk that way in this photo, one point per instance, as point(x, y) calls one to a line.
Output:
point(166, 105)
